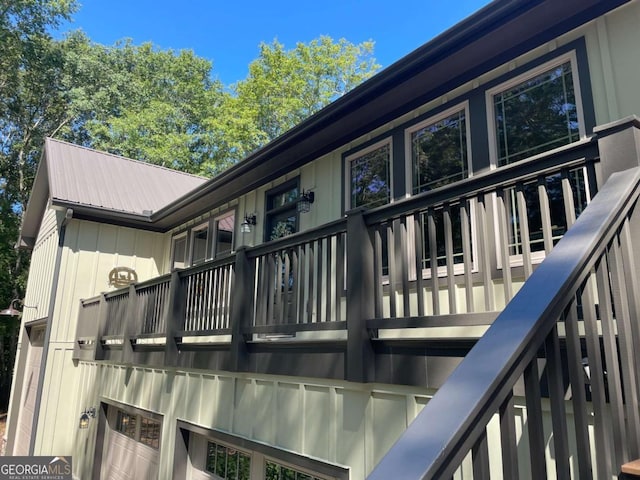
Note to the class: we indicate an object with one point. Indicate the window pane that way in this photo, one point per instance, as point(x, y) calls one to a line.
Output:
point(179, 252)
point(200, 245)
point(537, 115)
point(282, 212)
point(439, 153)
point(557, 217)
point(275, 471)
point(126, 424)
point(227, 463)
point(224, 234)
point(369, 178)
point(456, 237)
point(150, 432)
point(282, 198)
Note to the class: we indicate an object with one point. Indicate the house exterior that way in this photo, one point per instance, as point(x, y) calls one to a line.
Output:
point(291, 317)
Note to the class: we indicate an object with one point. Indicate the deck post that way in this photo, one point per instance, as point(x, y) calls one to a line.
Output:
point(359, 365)
point(174, 314)
point(242, 298)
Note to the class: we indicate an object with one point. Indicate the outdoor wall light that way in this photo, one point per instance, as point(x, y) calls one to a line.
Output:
point(305, 200)
point(248, 222)
point(88, 414)
point(12, 309)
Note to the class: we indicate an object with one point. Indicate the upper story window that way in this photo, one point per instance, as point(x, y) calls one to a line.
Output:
point(536, 112)
point(369, 176)
point(179, 249)
point(223, 228)
point(199, 243)
point(281, 216)
point(439, 150)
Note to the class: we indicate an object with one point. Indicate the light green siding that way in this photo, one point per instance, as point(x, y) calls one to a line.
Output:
point(91, 250)
point(343, 424)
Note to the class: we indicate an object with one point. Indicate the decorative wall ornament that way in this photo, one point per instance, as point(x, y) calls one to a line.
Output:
point(122, 277)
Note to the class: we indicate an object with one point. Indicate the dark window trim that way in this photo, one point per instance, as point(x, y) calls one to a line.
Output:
point(278, 454)
point(134, 412)
point(283, 187)
point(386, 138)
point(209, 221)
point(214, 230)
point(478, 110)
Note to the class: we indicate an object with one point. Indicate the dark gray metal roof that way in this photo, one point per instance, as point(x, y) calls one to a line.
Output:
point(82, 176)
point(99, 185)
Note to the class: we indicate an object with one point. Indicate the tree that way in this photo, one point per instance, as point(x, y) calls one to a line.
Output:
point(31, 104)
point(144, 103)
point(285, 87)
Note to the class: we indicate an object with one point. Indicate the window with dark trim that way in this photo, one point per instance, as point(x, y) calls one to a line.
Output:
point(138, 427)
point(200, 244)
point(368, 176)
point(439, 151)
point(126, 424)
point(277, 471)
point(536, 113)
point(224, 226)
point(281, 215)
point(150, 432)
point(227, 462)
point(179, 249)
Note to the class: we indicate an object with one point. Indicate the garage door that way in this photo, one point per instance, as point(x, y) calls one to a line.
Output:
point(132, 445)
point(30, 389)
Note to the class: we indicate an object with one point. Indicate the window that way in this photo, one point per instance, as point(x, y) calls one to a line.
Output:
point(556, 213)
point(223, 227)
point(150, 432)
point(533, 114)
point(369, 176)
point(139, 427)
point(282, 212)
point(276, 471)
point(436, 220)
point(179, 252)
point(227, 462)
point(199, 243)
point(439, 150)
point(126, 424)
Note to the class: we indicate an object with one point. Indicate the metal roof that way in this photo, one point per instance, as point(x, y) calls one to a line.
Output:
point(82, 176)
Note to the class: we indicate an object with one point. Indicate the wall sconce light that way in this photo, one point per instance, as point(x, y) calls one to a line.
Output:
point(248, 222)
point(12, 309)
point(88, 414)
point(305, 200)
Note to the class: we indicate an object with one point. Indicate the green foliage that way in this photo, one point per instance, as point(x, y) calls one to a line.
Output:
point(285, 87)
point(31, 104)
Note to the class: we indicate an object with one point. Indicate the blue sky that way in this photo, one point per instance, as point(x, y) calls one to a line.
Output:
point(228, 32)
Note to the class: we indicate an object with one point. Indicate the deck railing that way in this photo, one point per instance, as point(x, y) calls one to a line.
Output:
point(569, 335)
point(435, 259)
point(207, 296)
point(300, 279)
point(151, 300)
point(444, 252)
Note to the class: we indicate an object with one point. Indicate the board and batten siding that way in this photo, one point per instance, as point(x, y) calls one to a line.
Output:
point(91, 250)
point(38, 294)
point(341, 423)
point(344, 424)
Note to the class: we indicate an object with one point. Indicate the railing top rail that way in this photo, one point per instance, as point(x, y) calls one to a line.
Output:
point(116, 293)
point(326, 230)
point(152, 282)
point(570, 156)
point(208, 265)
point(451, 422)
point(85, 302)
